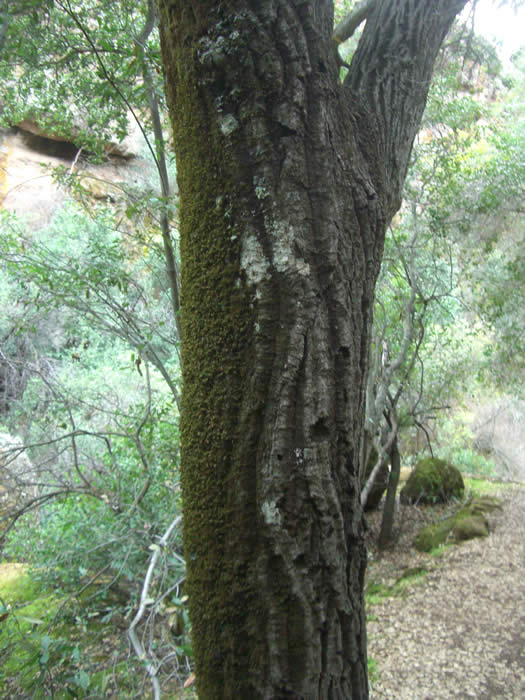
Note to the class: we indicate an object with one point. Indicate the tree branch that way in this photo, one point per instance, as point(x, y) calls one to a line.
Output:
point(169, 255)
point(388, 83)
point(353, 19)
point(144, 601)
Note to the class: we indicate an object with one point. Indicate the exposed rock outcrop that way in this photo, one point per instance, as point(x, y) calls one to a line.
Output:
point(469, 522)
point(432, 481)
point(28, 155)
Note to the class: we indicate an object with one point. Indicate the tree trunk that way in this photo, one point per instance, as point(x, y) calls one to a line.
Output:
point(287, 182)
point(387, 521)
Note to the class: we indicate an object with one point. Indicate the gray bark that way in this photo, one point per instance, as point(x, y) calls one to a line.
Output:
point(287, 180)
point(386, 534)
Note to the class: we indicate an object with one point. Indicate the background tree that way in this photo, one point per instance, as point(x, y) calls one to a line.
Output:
point(99, 421)
point(288, 180)
point(481, 214)
point(418, 287)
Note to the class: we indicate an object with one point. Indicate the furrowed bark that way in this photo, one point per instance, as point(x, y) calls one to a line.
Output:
point(389, 78)
point(285, 200)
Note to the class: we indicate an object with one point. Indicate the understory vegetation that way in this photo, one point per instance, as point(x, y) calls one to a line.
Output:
point(57, 640)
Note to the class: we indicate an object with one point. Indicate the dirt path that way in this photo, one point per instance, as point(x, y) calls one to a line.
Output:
point(461, 632)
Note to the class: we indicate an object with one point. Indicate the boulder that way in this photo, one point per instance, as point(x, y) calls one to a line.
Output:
point(470, 526)
point(432, 481)
point(467, 523)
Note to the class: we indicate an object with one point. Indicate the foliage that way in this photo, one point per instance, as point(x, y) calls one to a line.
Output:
point(414, 364)
point(481, 213)
point(49, 647)
point(75, 68)
point(454, 251)
point(478, 486)
point(456, 440)
point(89, 326)
point(82, 274)
point(98, 420)
point(105, 528)
point(376, 592)
point(92, 545)
point(88, 68)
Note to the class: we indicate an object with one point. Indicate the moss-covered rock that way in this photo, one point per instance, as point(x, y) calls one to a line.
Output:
point(485, 504)
point(467, 523)
point(433, 536)
point(432, 481)
point(471, 526)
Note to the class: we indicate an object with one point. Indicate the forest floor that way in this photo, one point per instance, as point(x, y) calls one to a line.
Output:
point(450, 625)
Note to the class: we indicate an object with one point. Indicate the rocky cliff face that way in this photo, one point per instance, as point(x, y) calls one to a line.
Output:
point(28, 189)
point(28, 156)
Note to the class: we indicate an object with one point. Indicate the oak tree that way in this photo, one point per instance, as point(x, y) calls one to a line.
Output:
point(288, 178)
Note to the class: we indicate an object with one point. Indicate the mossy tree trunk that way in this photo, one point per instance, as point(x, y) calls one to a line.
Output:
point(287, 182)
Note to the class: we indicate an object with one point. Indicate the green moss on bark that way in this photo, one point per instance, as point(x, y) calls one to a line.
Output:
point(217, 325)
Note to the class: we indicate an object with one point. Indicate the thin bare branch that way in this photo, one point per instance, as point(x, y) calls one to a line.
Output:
point(138, 647)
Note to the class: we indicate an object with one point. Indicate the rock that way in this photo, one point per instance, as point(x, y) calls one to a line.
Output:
point(404, 474)
point(130, 147)
point(485, 504)
point(467, 523)
point(469, 527)
point(432, 481)
point(28, 190)
point(433, 536)
point(32, 127)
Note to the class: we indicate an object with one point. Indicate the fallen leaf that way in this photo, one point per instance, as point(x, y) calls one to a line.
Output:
point(190, 681)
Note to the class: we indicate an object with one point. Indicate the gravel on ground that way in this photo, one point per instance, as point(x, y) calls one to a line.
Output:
point(460, 631)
